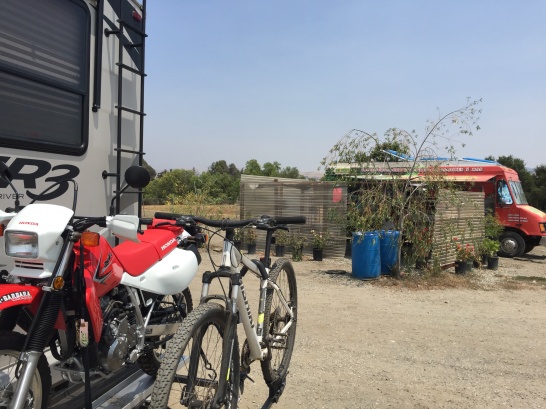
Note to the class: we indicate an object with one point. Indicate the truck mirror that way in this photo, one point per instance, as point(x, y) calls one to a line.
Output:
point(137, 177)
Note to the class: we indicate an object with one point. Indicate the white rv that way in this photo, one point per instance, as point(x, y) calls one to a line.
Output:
point(71, 103)
point(71, 99)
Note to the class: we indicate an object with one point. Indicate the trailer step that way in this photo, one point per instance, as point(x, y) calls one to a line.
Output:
point(128, 394)
point(126, 389)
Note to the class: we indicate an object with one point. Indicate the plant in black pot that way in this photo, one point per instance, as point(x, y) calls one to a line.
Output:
point(281, 239)
point(250, 240)
point(297, 241)
point(490, 249)
point(237, 238)
point(493, 228)
point(465, 254)
point(320, 239)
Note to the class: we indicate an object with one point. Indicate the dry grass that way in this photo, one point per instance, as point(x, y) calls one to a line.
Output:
point(523, 282)
point(428, 281)
point(477, 279)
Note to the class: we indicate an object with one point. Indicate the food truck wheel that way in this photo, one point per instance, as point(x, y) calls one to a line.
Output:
point(528, 248)
point(511, 244)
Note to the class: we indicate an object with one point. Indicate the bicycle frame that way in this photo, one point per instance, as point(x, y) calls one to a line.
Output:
point(232, 259)
point(270, 339)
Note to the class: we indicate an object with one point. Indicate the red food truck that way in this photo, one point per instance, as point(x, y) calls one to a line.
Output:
point(524, 225)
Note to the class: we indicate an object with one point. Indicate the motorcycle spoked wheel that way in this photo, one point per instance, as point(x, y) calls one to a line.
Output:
point(151, 360)
point(11, 344)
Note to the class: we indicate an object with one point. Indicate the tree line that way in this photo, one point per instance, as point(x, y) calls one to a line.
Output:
point(219, 184)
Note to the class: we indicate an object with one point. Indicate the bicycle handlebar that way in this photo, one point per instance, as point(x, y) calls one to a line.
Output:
point(290, 220)
point(227, 223)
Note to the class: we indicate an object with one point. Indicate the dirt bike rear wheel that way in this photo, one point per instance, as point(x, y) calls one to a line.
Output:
point(151, 361)
point(40, 388)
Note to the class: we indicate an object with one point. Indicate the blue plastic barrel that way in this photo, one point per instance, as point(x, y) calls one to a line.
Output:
point(388, 249)
point(366, 261)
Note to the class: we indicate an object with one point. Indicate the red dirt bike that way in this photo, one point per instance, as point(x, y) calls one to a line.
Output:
point(97, 307)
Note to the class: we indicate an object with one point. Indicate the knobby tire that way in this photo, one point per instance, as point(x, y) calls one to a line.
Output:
point(38, 396)
point(194, 357)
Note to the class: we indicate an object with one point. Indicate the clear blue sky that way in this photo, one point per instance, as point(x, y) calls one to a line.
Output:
point(284, 80)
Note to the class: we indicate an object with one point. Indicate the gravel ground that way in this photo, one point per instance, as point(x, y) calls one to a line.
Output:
point(371, 344)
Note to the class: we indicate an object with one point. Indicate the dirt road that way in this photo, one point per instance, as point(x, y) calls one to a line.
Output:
point(364, 345)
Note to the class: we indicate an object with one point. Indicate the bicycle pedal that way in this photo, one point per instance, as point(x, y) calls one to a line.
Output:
point(245, 376)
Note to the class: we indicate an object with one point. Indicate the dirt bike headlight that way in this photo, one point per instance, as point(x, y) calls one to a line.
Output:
point(21, 244)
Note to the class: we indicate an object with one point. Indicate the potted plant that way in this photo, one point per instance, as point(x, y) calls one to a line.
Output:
point(297, 242)
point(480, 255)
point(493, 229)
point(490, 249)
point(237, 239)
point(281, 239)
point(465, 254)
point(250, 240)
point(320, 239)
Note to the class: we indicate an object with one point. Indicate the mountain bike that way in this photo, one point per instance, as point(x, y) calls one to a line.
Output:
point(202, 366)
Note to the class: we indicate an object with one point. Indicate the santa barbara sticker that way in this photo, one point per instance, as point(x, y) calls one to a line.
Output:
point(16, 296)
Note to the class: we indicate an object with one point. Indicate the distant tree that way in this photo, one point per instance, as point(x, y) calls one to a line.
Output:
point(539, 192)
point(233, 171)
point(379, 152)
point(219, 167)
point(171, 185)
point(290, 172)
point(252, 167)
point(271, 169)
point(151, 170)
point(220, 188)
point(221, 182)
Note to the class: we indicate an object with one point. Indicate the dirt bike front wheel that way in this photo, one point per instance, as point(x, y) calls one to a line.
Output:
point(40, 387)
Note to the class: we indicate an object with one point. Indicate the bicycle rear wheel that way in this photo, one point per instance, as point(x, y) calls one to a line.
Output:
point(190, 370)
point(279, 325)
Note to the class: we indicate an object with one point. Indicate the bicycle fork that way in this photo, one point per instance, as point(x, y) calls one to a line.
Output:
point(228, 344)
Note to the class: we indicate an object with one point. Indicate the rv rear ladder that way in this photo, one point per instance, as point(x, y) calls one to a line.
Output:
point(124, 43)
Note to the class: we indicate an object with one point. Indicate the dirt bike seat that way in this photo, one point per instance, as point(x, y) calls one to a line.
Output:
point(139, 257)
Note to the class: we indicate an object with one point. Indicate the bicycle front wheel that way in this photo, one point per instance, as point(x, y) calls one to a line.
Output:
point(170, 309)
point(280, 321)
point(190, 372)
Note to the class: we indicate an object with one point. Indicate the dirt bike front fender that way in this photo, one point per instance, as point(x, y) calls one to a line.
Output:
point(12, 295)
